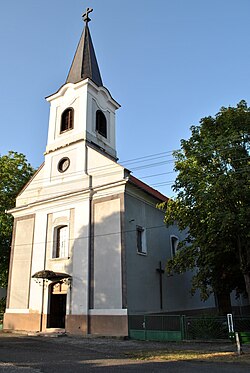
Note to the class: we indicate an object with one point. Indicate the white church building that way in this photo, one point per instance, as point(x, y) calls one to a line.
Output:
point(89, 244)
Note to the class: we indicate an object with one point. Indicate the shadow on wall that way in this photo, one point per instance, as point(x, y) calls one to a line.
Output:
point(95, 258)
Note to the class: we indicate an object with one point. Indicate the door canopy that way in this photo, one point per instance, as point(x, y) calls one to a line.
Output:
point(46, 274)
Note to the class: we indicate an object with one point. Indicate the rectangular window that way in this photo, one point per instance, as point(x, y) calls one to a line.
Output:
point(61, 244)
point(141, 240)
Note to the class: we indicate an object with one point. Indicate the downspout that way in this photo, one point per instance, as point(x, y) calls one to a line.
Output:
point(44, 267)
point(89, 287)
point(41, 318)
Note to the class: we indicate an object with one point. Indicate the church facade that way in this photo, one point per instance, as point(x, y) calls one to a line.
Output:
point(89, 244)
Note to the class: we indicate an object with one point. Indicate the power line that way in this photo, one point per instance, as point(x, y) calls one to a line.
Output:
point(163, 183)
point(100, 194)
point(94, 236)
point(100, 170)
point(101, 175)
point(138, 160)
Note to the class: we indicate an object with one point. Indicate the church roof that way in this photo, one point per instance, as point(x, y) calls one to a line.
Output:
point(148, 189)
point(85, 64)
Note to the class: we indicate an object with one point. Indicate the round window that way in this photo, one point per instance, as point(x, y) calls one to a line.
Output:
point(63, 164)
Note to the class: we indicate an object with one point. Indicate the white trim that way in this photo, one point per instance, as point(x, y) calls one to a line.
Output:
point(61, 91)
point(61, 239)
point(61, 197)
point(107, 312)
point(17, 310)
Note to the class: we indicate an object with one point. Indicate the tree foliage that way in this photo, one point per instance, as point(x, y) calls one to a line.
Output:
point(15, 171)
point(213, 201)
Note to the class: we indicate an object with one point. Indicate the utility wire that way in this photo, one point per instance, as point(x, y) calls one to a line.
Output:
point(133, 230)
point(164, 183)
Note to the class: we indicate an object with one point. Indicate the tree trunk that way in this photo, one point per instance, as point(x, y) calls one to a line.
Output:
point(245, 263)
point(223, 302)
point(247, 282)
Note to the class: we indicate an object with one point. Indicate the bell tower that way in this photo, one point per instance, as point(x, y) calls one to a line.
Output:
point(82, 111)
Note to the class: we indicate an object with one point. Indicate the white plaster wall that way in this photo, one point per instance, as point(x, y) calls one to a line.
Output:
point(103, 169)
point(32, 190)
point(70, 95)
point(75, 172)
point(101, 99)
point(39, 247)
point(76, 265)
point(107, 255)
point(50, 183)
point(80, 259)
point(20, 280)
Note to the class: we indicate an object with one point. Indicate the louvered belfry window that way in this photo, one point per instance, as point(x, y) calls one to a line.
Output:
point(67, 120)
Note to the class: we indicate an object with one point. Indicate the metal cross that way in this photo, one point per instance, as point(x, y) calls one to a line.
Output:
point(160, 270)
point(85, 15)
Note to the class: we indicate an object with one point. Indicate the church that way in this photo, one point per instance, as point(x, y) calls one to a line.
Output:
point(89, 243)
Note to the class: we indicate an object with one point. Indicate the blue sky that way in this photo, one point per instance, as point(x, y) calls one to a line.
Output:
point(168, 63)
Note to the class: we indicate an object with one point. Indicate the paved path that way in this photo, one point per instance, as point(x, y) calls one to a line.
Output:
point(20, 354)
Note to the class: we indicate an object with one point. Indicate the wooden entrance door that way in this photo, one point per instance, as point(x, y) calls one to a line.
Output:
point(57, 308)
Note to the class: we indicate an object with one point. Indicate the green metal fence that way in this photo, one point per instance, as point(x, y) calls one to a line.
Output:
point(206, 328)
point(156, 327)
point(178, 327)
point(242, 326)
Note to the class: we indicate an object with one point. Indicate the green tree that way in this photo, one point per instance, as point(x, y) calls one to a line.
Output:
point(213, 201)
point(15, 171)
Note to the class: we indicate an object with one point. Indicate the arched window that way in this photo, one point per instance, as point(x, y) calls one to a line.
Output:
point(67, 120)
point(101, 123)
point(174, 241)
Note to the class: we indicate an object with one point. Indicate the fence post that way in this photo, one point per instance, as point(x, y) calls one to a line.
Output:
point(182, 325)
point(230, 323)
point(144, 326)
point(238, 345)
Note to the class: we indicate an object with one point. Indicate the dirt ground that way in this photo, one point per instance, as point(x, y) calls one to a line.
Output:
point(125, 345)
point(67, 354)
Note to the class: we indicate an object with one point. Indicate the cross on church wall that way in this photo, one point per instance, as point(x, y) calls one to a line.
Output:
point(160, 270)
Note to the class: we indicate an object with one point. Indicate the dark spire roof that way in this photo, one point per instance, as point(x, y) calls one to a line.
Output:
point(85, 64)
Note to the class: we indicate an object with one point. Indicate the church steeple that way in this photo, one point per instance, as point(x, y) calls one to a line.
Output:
point(85, 64)
point(82, 110)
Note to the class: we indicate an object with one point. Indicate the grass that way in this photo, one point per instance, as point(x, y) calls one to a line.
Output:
point(191, 355)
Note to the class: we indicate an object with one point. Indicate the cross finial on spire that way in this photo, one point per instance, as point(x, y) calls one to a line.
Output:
point(85, 15)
